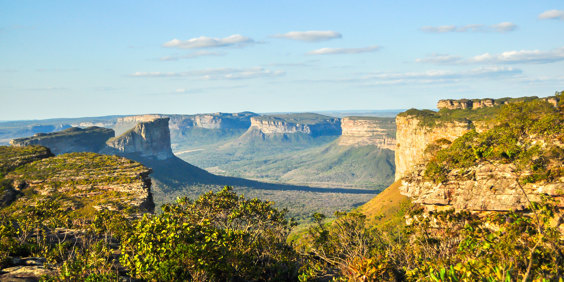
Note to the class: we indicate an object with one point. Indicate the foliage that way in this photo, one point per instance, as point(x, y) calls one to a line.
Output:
point(439, 246)
point(220, 236)
point(523, 135)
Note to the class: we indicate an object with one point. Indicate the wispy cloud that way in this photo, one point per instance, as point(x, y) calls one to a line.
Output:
point(489, 72)
point(552, 15)
point(426, 77)
point(440, 59)
point(508, 57)
point(500, 27)
point(310, 36)
point(235, 40)
point(193, 55)
point(338, 51)
point(216, 74)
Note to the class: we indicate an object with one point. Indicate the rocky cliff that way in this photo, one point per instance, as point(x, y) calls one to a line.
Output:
point(413, 137)
point(74, 139)
point(487, 102)
point(150, 139)
point(498, 162)
point(309, 124)
point(364, 131)
point(212, 121)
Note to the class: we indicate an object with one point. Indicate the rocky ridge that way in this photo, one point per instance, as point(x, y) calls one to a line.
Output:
point(365, 131)
point(309, 124)
point(456, 104)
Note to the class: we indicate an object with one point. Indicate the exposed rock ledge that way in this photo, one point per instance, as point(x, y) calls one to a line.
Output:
point(489, 187)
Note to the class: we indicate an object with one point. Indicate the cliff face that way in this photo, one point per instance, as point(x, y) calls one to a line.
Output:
point(413, 138)
point(150, 139)
point(212, 121)
point(487, 102)
point(516, 155)
point(492, 187)
point(91, 139)
point(288, 124)
point(364, 131)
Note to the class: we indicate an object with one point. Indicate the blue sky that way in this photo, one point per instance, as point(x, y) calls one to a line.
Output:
point(93, 58)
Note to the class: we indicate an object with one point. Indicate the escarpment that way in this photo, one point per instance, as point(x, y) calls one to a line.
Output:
point(501, 159)
point(150, 139)
point(365, 131)
point(74, 139)
point(413, 137)
point(309, 124)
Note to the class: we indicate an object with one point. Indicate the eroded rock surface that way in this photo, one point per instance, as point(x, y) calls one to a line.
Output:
point(150, 139)
point(365, 131)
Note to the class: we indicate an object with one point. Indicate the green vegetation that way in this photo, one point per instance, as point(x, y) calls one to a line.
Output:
point(441, 246)
point(430, 118)
point(330, 165)
point(525, 134)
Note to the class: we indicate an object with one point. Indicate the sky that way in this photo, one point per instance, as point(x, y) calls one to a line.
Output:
point(95, 58)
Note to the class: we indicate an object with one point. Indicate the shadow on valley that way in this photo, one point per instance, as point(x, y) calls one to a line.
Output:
point(173, 174)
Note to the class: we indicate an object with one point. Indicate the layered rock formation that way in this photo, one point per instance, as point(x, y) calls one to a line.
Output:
point(526, 167)
point(212, 121)
point(413, 137)
point(453, 104)
point(309, 124)
point(365, 131)
point(492, 187)
point(150, 139)
point(74, 139)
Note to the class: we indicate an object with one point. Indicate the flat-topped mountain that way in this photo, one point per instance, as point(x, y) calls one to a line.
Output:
point(150, 139)
point(305, 123)
point(363, 131)
point(483, 159)
point(74, 139)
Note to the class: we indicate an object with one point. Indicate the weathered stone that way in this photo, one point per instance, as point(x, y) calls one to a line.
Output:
point(363, 131)
point(150, 139)
point(412, 139)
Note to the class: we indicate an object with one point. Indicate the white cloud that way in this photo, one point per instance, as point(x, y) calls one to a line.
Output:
point(191, 55)
point(552, 14)
point(336, 51)
point(310, 36)
point(216, 74)
point(442, 74)
point(521, 57)
point(209, 42)
point(439, 59)
point(508, 57)
point(500, 27)
point(504, 27)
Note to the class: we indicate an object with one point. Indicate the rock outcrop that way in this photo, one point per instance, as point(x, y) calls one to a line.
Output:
point(212, 121)
point(74, 139)
point(150, 139)
point(453, 104)
point(413, 138)
point(85, 181)
point(310, 124)
point(492, 187)
point(365, 131)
